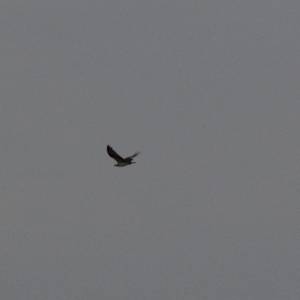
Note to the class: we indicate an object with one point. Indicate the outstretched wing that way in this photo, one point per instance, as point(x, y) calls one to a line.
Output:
point(134, 155)
point(113, 154)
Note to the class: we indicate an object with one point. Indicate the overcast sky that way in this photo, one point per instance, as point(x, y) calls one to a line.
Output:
point(208, 91)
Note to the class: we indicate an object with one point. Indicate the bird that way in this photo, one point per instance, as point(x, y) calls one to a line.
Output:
point(121, 162)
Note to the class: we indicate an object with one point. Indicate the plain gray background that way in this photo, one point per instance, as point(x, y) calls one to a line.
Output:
point(208, 91)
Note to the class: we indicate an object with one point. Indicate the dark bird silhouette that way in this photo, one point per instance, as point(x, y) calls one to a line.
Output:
point(121, 162)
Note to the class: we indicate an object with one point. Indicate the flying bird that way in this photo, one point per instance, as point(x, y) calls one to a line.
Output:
point(121, 162)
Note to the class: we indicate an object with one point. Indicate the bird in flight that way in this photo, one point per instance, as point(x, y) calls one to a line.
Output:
point(121, 162)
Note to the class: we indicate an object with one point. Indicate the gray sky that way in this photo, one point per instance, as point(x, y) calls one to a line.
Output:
point(208, 91)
